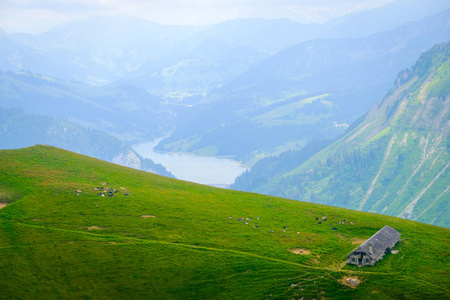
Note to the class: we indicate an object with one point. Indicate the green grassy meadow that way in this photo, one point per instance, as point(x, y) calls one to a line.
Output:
point(171, 239)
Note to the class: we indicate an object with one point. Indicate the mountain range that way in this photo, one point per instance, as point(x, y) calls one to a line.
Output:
point(394, 161)
point(247, 89)
point(309, 91)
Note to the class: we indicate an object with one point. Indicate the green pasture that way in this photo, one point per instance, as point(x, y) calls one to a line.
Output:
point(171, 239)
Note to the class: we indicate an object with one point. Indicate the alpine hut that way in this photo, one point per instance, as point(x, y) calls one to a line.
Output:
point(372, 250)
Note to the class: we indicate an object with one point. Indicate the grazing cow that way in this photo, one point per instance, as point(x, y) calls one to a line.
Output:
point(110, 195)
point(241, 219)
point(257, 218)
point(345, 220)
point(230, 217)
point(352, 223)
point(78, 194)
point(298, 232)
point(246, 223)
point(319, 223)
point(127, 194)
point(317, 218)
point(331, 224)
point(334, 228)
point(256, 226)
point(284, 227)
point(284, 230)
point(271, 230)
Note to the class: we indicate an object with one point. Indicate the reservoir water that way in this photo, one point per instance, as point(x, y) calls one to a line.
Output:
point(216, 171)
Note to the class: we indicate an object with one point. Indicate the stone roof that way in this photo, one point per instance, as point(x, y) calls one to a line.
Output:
point(381, 240)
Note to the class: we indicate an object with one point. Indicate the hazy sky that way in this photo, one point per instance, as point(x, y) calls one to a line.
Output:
point(34, 16)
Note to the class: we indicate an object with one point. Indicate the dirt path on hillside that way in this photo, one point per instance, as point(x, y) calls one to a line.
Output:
point(3, 205)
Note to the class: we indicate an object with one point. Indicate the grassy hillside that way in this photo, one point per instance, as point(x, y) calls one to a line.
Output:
point(394, 162)
point(170, 239)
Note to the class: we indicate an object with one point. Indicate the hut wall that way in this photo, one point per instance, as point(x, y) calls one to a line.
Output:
point(360, 259)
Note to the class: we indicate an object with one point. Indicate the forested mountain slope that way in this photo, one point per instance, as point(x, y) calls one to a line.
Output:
point(19, 130)
point(396, 161)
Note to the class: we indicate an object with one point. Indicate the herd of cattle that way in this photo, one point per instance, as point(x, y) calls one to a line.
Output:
point(323, 219)
point(103, 191)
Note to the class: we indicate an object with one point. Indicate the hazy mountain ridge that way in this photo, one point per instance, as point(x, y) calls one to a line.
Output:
point(386, 17)
point(100, 50)
point(395, 161)
point(19, 130)
point(208, 66)
point(120, 109)
point(346, 75)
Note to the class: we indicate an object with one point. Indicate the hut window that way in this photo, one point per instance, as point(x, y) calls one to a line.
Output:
point(353, 259)
point(367, 260)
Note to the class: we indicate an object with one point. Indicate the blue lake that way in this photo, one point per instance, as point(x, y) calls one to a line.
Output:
point(216, 171)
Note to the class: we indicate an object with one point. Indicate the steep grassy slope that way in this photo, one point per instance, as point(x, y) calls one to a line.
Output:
point(170, 239)
point(396, 161)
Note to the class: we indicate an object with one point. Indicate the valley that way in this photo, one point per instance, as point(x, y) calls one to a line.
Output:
point(263, 98)
point(224, 150)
